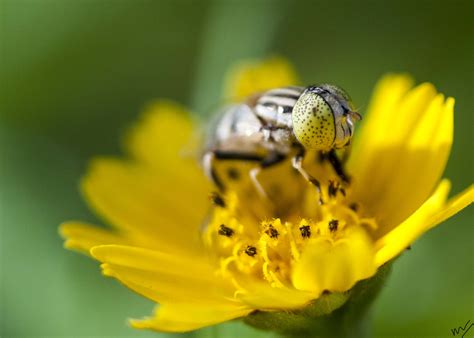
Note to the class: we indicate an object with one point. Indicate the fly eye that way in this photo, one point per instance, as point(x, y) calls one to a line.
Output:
point(313, 122)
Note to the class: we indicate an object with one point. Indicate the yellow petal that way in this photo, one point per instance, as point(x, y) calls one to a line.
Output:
point(165, 210)
point(422, 163)
point(261, 295)
point(248, 78)
point(335, 266)
point(185, 317)
point(453, 206)
point(160, 137)
point(402, 150)
point(82, 237)
point(165, 141)
point(163, 277)
point(430, 214)
point(369, 141)
point(163, 287)
point(152, 260)
point(388, 94)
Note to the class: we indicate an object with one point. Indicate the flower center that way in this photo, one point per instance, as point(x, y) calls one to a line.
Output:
point(267, 248)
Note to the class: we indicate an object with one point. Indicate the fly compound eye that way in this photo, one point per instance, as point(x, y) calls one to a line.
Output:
point(313, 122)
point(339, 94)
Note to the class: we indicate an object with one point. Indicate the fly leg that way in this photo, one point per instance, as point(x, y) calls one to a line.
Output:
point(253, 177)
point(337, 166)
point(297, 162)
point(208, 163)
point(269, 161)
point(209, 158)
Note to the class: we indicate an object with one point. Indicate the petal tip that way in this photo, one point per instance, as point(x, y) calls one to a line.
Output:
point(99, 252)
point(138, 323)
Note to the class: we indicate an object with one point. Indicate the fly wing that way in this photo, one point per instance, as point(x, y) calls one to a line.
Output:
point(234, 127)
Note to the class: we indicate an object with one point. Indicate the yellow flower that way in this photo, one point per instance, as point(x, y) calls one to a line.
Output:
point(208, 264)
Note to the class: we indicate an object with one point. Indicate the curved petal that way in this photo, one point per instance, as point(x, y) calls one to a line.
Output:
point(145, 196)
point(137, 199)
point(402, 151)
point(82, 237)
point(185, 317)
point(453, 206)
point(335, 266)
point(424, 161)
point(152, 260)
point(430, 214)
point(250, 77)
point(388, 93)
point(164, 277)
point(165, 141)
point(160, 137)
point(261, 295)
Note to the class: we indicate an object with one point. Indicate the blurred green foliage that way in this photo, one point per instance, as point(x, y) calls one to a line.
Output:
point(75, 74)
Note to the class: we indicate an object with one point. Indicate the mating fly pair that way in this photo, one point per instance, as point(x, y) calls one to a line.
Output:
point(272, 126)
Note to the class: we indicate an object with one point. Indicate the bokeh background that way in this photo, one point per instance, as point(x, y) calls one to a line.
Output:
point(75, 74)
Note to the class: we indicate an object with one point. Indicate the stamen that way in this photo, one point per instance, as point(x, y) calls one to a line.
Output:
point(354, 206)
point(251, 250)
point(333, 225)
point(343, 191)
point(293, 246)
point(369, 223)
point(272, 232)
point(224, 265)
point(225, 231)
point(266, 272)
point(305, 231)
point(272, 277)
point(217, 200)
point(267, 246)
point(332, 188)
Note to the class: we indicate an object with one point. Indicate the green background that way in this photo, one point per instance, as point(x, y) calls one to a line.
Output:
point(75, 74)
